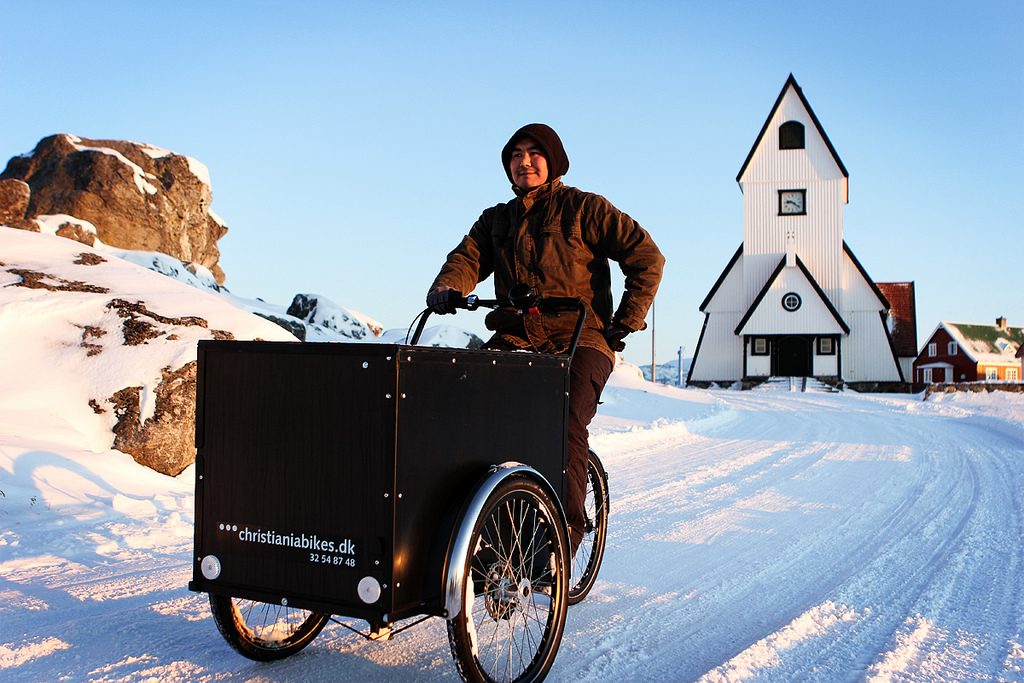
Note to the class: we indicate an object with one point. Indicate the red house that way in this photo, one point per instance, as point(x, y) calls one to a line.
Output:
point(968, 352)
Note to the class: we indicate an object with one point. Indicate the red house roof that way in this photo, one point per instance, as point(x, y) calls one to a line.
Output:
point(903, 314)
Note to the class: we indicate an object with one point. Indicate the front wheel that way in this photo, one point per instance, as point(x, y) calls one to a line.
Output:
point(587, 561)
point(515, 587)
point(264, 631)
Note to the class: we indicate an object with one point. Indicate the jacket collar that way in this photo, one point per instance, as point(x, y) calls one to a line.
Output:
point(530, 197)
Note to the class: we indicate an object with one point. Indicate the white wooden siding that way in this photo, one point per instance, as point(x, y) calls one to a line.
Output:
point(867, 356)
point(858, 293)
point(907, 364)
point(721, 352)
point(759, 366)
point(817, 238)
point(826, 366)
point(730, 295)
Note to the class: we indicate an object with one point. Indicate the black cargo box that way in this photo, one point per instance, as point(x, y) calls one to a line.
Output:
point(319, 465)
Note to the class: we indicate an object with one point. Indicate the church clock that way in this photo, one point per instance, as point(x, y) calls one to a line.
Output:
point(792, 202)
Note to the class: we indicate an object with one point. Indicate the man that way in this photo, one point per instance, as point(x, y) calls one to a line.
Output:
point(557, 239)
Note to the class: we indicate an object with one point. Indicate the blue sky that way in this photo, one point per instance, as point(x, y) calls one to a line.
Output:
point(351, 145)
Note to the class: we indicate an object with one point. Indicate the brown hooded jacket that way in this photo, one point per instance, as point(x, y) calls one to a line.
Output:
point(559, 240)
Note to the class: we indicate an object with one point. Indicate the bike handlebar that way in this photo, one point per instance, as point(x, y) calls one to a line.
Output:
point(525, 302)
point(567, 303)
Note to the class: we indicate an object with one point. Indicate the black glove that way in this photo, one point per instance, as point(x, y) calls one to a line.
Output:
point(443, 301)
point(614, 335)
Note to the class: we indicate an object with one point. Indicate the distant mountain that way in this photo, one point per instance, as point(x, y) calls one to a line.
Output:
point(668, 373)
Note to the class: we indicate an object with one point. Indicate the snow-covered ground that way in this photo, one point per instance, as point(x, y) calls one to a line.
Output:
point(754, 536)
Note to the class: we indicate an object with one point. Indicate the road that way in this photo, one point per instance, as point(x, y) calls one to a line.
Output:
point(754, 536)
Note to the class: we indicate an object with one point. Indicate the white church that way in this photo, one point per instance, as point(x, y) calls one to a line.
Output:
point(794, 301)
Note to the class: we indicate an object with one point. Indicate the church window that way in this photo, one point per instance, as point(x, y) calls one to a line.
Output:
point(760, 346)
point(791, 135)
point(825, 346)
point(791, 301)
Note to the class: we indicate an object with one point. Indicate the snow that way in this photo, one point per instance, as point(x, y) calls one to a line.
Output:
point(754, 536)
point(50, 380)
point(51, 223)
point(154, 152)
point(196, 276)
point(435, 335)
point(199, 170)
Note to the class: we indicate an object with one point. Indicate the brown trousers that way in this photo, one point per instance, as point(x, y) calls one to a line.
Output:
point(587, 376)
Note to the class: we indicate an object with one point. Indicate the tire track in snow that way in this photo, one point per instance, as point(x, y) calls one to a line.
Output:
point(895, 579)
point(954, 627)
point(735, 592)
point(884, 562)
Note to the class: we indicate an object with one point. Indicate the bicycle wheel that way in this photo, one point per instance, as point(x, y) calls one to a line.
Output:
point(264, 631)
point(514, 591)
point(587, 561)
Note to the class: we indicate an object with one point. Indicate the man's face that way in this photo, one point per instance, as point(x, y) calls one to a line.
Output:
point(528, 165)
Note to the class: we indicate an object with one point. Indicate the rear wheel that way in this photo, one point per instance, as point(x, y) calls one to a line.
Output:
point(515, 587)
point(264, 631)
point(587, 561)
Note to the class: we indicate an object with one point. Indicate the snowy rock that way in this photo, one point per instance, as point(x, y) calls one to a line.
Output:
point(14, 195)
point(190, 273)
point(318, 310)
point(288, 323)
point(101, 351)
point(137, 196)
point(445, 336)
point(164, 441)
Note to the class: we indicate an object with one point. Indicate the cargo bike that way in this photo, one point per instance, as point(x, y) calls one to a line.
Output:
point(392, 483)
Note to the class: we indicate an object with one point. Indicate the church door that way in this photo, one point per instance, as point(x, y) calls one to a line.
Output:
point(793, 357)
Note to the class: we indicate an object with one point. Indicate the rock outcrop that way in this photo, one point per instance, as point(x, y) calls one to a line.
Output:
point(137, 196)
point(14, 195)
point(165, 441)
point(314, 309)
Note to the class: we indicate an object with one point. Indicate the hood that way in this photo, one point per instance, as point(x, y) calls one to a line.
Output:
point(548, 140)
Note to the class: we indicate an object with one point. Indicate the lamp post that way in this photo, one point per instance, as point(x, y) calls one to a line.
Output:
point(679, 375)
point(654, 367)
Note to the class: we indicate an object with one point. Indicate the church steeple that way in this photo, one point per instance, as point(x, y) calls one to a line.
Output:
point(783, 133)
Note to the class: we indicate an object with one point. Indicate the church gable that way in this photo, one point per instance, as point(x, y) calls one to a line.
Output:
point(792, 144)
point(791, 302)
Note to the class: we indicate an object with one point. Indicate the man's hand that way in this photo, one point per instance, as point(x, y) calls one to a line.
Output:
point(442, 299)
point(614, 335)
